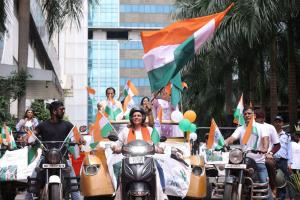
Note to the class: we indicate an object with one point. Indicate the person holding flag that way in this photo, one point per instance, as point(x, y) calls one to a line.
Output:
point(110, 107)
point(253, 136)
point(54, 129)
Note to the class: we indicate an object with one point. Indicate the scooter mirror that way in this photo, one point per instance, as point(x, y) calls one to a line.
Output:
point(112, 137)
point(163, 138)
point(82, 128)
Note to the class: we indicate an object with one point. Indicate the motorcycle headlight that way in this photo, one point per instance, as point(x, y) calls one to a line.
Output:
point(138, 149)
point(91, 170)
point(236, 156)
point(53, 156)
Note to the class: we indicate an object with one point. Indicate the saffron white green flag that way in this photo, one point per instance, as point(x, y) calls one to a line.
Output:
point(74, 136)
point(169, 49)
point(155, 136)
point(238, 113)
point(215, 138)
point(112, 110)
point(128, 92)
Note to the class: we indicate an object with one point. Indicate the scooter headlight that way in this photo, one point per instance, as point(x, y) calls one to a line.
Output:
point(91, 170)
point(53, 156)
point(138, 149)
point(236, 156)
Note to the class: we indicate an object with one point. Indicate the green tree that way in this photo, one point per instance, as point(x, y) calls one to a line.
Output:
point(256, 41)
point(10, 89)
point(41, 112)
point(57, 13)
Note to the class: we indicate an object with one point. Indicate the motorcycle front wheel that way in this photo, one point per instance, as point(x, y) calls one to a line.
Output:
point(229, 193)
point(54, 191)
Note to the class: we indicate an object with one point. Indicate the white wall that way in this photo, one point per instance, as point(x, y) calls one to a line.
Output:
point(73, 57)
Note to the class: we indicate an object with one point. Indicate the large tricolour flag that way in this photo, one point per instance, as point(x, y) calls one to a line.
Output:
point(215, 138)
point(169, 49)
point(128, 92)
point(238, 113)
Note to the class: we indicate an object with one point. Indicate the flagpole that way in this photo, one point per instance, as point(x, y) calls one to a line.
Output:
point(156, 94)
point(67, 136)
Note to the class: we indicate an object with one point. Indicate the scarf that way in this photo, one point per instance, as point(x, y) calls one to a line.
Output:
point(145, 134)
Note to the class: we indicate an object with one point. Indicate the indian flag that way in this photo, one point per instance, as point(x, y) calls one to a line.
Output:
point(238, 113)
point(31, 136)
point(32, 154)
point(112, 110)
point(7, 137)
point(128, 92)
point(215, 138)
point(251, 131)
point(103, 125)
point(74, 136)
point(155, 136)
point(91, 94)
point(169, 49)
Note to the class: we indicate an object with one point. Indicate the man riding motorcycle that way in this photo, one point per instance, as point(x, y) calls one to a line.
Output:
point(55, 129)
point(259, 140)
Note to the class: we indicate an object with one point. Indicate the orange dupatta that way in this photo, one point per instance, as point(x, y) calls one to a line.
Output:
point(145, 134)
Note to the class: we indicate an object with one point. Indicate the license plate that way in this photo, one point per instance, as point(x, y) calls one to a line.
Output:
point(54, 166)
point(235, 166)
point(136, 160)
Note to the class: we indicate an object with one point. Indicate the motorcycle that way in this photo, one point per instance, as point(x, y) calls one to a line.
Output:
point(52, 173)
point(241, 178)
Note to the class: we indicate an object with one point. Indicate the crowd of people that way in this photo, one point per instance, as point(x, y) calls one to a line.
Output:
point(278, 149)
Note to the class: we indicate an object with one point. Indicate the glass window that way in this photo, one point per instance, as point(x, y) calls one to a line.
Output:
point(104, 14)
point(103, 70)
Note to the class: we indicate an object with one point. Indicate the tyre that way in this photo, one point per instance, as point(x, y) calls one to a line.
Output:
point(208, 191)
point(55, 191)
point(228, 192)
point(8, 191)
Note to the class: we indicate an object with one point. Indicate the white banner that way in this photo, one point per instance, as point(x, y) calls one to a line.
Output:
point(17, 159)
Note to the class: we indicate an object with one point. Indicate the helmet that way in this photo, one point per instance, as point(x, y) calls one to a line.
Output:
point(280, 179)
point(137, 109)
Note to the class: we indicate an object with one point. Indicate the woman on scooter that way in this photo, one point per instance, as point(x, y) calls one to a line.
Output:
point(137, 129)
point(28, 121)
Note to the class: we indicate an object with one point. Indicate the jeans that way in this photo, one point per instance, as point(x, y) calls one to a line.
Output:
point(263, 176)
point(282, 164)
point(74, 195)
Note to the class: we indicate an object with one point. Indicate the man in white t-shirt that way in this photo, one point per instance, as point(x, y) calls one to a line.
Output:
point(295, 152)
point(259, 140)
point(274, 146)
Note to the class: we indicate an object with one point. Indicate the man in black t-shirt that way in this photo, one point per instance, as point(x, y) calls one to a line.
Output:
point(55, 129)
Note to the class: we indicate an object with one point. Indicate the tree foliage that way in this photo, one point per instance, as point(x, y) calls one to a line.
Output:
point(40, 110)
point(11, 88)
point(239, 52)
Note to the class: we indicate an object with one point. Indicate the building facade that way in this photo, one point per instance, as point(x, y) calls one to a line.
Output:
point(38, 55)
point(115, 52)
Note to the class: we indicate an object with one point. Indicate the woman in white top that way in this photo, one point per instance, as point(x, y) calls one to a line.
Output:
point(137, 129)
point(29, 122)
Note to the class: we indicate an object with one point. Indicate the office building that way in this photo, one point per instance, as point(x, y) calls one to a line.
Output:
point(114, 46)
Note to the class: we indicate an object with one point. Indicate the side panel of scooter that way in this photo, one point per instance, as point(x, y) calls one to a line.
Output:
point(103, 186)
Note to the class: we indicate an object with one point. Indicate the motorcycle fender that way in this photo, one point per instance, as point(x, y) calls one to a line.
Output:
point(54, 179)
point(230, 179)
